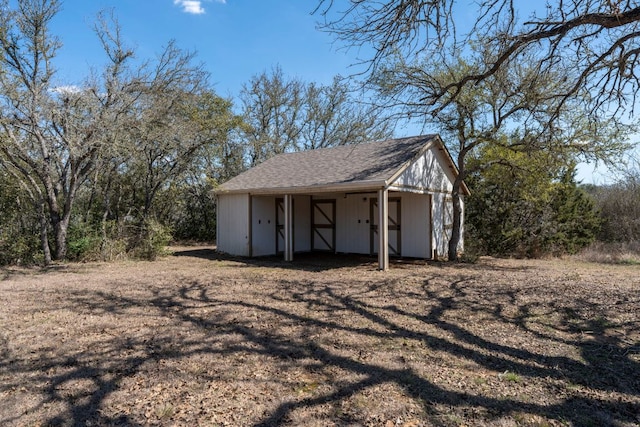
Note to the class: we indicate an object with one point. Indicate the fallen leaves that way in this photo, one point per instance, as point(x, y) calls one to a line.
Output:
point(189, 341)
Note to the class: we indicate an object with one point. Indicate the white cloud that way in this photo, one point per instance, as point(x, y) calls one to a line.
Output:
point(194, 6)
point(67, 90)
point(190, 6)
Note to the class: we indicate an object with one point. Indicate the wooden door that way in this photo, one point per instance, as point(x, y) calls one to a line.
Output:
point(279, 226)
point(323, 225)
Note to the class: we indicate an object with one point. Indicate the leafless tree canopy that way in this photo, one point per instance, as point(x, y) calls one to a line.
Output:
point(286, 114)
point(594, 42)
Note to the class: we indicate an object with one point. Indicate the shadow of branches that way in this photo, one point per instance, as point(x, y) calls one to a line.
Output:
point(425, 345)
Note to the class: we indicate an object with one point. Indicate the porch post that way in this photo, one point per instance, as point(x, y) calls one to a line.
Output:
point(288, 228)
point(383, 229)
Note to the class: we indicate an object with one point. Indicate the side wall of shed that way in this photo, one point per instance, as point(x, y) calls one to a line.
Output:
point(432, 173)
point(233, 224)
point(416, 225)
point(443, 224)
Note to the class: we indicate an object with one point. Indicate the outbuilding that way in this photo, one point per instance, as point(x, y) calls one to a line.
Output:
point(335, 199)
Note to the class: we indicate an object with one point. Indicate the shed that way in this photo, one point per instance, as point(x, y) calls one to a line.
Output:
point(334, 200)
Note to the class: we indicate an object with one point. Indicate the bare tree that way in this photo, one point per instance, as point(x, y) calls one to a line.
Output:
point(288, 115)
point(54, 138)
point(272, 110)
point(514, 100)
point(163, 138)
point(559, 78)
point(50, 138)
point(333, 117)
point(593, 42)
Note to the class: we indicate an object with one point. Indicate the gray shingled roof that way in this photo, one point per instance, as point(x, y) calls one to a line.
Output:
point(372, 162)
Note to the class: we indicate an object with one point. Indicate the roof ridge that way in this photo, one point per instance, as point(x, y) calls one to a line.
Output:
point(356, 144)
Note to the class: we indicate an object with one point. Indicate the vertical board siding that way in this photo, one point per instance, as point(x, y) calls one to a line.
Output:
point(263, 225)
point(437, 218)
point(233, 224)
point(416, 236)
point(302, 223)
point(353, 225)
point(428, 172)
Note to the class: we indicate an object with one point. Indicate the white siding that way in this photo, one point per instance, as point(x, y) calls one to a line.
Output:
point(442, 220)
point(429, 173)
point(415, 226)
point(437, 218)
point(302, 223)
point(233, 224)
point(263, 225)
point(353, 225)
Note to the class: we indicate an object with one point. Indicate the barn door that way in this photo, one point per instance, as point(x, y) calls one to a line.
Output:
point(279, 226)
point(394, 226)
point(323, 225)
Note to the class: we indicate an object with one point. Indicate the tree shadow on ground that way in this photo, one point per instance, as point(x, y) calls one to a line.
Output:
point(321, 261)
point(307, 261)
point(316, 326)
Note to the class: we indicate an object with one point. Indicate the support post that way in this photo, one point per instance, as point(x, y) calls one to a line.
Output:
point(288, 227)
point(383, 229)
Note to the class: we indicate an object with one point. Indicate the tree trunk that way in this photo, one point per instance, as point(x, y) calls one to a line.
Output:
point(60, 231)
point(44, 237)
point(456, 230)
point(454, 241)
point(60, 225)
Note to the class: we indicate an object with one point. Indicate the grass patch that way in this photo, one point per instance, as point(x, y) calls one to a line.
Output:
point(510, 377)
point(611, 253)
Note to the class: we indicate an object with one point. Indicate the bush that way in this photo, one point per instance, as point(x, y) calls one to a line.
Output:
point(149, 240)
point(117, 240)
point(512, 212)
point(83, 242)
point(22, 249)
point(619, 206)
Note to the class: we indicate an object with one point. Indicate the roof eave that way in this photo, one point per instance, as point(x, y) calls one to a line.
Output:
point(320, 188)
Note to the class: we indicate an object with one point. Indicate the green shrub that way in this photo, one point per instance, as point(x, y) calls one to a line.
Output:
point(83, 242)
point(22, 249)
point(149, 240)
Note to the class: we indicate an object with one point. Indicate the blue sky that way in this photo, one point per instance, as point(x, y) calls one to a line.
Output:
point(234, 39)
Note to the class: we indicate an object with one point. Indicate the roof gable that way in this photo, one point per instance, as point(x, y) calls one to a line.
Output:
point(432, 171)
point(366, 164)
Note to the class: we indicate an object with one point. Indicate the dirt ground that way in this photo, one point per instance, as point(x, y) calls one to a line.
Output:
point(200, 339)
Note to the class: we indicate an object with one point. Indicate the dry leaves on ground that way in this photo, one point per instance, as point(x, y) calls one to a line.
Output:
point(201, 339)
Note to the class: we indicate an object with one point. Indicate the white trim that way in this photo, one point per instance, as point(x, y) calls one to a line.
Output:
point(416, 190)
